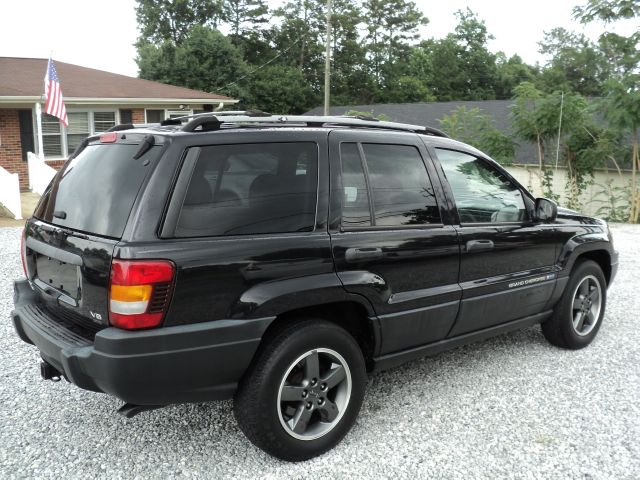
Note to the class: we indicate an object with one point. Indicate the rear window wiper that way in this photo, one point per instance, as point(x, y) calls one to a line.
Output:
point(149, 141)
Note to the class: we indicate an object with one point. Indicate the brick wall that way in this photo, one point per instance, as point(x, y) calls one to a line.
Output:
point(11, 147)
point(55, 163)
point(137, 115)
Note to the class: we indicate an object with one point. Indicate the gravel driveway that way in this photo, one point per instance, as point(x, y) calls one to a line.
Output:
point(513, 406)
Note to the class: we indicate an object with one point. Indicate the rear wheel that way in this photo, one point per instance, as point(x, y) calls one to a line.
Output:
point(304, 391)
point(578, 315)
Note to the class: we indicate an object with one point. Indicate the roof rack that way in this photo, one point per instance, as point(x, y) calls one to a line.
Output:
point(215, 120)
point(131, 126)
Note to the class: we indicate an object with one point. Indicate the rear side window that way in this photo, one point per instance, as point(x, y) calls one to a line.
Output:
point(251, 189)
point(96, 190)
point(400, 187)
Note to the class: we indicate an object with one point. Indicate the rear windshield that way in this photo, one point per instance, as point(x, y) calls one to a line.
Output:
point(95, 191)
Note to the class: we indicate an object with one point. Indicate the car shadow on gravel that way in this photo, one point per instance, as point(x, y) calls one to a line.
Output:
point(213, 422)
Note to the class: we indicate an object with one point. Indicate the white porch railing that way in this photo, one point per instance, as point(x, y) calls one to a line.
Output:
point(40, 174)
point(10, 193)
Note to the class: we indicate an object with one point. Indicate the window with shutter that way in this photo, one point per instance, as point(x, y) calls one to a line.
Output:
point(154, 116)
point(51, 136)
point(77, 130)
point(103, 121)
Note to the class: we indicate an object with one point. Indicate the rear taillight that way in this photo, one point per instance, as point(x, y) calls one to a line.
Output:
point(23, 251)
point(139, 292)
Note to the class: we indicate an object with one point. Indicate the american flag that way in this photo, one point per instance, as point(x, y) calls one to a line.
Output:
point(54, 103)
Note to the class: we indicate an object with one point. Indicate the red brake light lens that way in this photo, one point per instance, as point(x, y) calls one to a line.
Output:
point(139, 292)
point(141, 272)
point(109, 137)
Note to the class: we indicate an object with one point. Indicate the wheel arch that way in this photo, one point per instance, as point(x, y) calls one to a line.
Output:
point(351, 315)
point(601, 257)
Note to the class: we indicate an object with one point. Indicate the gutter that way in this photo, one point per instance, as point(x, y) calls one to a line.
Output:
point(120, 101)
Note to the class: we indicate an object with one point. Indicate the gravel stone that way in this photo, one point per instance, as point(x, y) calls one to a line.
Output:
point(513, 406)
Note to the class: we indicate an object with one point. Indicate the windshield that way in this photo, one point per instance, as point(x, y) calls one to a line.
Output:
point(95, 191)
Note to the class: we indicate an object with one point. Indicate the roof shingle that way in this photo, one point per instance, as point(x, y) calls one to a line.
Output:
point(429, 113)
point(25, 77)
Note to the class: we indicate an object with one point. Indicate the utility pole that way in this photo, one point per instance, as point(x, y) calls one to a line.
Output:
point(327, 61)
point(559, 128)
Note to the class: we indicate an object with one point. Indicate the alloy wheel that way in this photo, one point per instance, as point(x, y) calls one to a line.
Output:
point(587, 303)
point(314, 394)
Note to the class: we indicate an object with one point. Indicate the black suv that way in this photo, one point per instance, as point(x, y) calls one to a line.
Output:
point(277, 260)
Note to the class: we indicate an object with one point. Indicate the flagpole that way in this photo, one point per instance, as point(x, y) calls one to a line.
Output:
point(39, 111)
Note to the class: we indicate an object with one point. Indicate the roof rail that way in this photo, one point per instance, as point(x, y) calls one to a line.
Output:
point(249, 113)
point(131, 126)
point(214, 121)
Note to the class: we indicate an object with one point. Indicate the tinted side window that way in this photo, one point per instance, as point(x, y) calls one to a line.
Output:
point(401, 190)
point(251, 189)
point(355, 203)
point(482, 194)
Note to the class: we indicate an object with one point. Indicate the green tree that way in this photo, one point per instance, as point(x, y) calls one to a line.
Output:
point(621, 100)
point(444, 73)
point(408, 89)
point(478, 129)
point(524, 114)
point(575, 63)
point(351, 80)
point(478, 63)
point(247, 20)
point(170, 20)
point(607, 10)
point(511, 72)
point(391, 26)
point(299, 34)
point(358, 113)
point(562, 123)
point(458, 66)
point(281, 89)
point(245, 16)
point(205, 60)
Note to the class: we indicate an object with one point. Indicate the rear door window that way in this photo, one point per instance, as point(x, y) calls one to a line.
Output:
point(96, 190)
point(355, 205)
point(401, 190)
point(251, 189)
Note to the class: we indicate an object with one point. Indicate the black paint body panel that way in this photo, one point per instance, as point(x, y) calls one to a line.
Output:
point(423, 291)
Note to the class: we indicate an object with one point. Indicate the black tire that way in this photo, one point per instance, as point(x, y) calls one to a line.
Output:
point(262, 417)
point(560, 329)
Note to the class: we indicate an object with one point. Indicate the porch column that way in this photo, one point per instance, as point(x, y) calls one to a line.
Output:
point(40, 151)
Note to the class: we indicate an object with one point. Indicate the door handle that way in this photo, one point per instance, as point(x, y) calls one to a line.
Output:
point(359, 254)
point(479, 245)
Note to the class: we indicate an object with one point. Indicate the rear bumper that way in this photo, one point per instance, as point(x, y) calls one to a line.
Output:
point(187, 363)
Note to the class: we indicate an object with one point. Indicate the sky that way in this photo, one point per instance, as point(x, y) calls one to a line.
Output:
point(100, 34)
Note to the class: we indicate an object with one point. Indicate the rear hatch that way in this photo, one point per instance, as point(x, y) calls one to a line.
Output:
point(82, 215)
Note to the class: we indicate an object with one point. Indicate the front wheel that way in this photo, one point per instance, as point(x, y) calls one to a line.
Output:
point(578, 315)
point(304, 391)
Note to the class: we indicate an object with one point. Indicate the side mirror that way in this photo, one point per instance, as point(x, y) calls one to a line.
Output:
point(545, 211)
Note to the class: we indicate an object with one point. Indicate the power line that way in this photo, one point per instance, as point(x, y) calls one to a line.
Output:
point(264, 64)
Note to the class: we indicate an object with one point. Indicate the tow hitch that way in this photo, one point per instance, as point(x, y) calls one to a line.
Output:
point(49, 372)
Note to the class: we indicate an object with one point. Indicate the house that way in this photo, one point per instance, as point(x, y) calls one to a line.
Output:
point(429, 113)
point(95, 100)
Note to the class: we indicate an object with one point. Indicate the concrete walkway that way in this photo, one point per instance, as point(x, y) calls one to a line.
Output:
point(29, 201)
